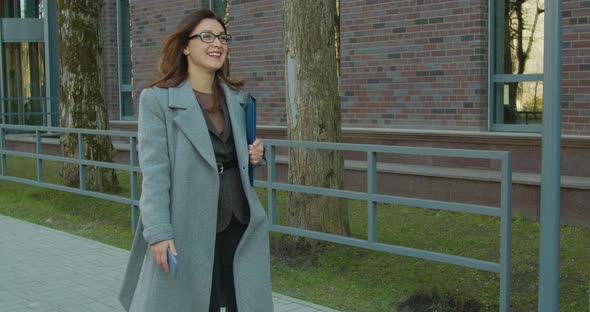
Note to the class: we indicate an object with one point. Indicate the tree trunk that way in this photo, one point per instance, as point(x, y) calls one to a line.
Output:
point(81, 91)
point(509, 114)
point(313, 114)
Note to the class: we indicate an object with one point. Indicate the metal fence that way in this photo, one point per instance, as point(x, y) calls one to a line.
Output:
point(37, 134)
point(32, 111)
point(504, 212)
point(371, 196)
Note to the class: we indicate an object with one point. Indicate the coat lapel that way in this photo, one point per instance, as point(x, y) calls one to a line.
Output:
point(190, 120)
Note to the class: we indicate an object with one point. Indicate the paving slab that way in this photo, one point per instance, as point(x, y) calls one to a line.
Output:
point(35, 276)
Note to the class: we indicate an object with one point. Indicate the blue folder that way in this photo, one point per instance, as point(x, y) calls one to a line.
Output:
point(251, 130)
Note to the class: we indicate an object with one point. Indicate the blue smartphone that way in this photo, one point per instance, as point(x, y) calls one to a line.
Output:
point(172, 262)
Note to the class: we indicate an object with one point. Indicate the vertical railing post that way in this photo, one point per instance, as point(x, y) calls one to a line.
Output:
point(505, 232)
point(3, 149)
point(133, 176)
point(81, 156)
point(550, 161)
point(271, 191)
point(51, 61)
point(38, 151)
point(20, 111)
point(371, 190)
point(2, 100)
point(2, 87)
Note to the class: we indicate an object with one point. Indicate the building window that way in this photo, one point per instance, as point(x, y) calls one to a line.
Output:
point(220, 8)
point(21, 9)
point(124, 52)
point(24, 83)
point(516, 65)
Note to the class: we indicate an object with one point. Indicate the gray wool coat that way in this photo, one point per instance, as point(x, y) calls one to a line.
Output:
point(179, 199)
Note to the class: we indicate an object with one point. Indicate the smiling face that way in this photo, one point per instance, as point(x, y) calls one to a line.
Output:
point(201, 56)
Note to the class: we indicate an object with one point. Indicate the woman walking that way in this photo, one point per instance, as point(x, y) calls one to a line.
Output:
point(197, 205)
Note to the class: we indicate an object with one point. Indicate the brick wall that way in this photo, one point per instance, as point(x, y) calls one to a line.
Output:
point(576, 67)
point(396, 59)
point(151, 22)
point(110, 56)
point(257, 55)
point(406, 64)
point(414, 64)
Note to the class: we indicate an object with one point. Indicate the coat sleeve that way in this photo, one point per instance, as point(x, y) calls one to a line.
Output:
point(154, 162)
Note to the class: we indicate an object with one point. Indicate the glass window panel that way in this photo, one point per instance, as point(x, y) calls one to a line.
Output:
point(21, 8)
point(219, 7)
point(125, 43)
point(24, 82)
point(126, 106)
point(9, 8)
point(518, 102)
point(519, 27)
point(125, 74)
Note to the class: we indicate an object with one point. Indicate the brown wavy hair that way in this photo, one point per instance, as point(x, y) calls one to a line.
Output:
point(173, 65)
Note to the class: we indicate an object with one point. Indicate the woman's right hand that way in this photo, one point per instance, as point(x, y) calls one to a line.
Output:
point(159, 252)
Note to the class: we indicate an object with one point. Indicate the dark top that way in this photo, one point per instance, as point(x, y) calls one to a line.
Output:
point(232, 200)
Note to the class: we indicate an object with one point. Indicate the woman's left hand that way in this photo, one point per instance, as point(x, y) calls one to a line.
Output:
point(256, 151)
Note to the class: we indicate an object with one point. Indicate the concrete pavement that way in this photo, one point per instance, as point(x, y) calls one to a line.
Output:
point(36, 276)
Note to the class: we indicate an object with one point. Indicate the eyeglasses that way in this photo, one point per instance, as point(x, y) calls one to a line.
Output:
point(209, 37)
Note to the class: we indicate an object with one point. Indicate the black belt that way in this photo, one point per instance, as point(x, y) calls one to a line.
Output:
point(223, 166)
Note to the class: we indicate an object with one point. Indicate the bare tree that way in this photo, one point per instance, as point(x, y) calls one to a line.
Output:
point(313, 113)
point(518, 46)
point(81, 91)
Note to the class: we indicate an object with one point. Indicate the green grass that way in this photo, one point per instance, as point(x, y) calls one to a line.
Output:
point(93, 218)
point(347, 278)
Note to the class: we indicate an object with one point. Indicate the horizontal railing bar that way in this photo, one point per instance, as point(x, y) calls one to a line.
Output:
point(404, 251)
point(78, 191)
point(386, 199)
point(26, 114)
point(424, 151)
point(73, 160)
point(439, 205)
point(314, 190)
point(27, 98)
point(71, 130)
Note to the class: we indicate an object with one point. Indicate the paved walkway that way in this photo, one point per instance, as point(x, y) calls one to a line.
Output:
point(45, 270)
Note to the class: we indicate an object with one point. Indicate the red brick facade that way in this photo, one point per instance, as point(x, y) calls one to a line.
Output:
point(413, 72)
point(151, 21)
point(576, 68)
point(406, 64)
point(110, 56)
point(414, 64)
point(257, 55)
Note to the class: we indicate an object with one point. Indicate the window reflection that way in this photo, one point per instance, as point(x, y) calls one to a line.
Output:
point(220, 8)
point(24, 83)
point(519, 42)
point(21, 8)
point(519, 38)
point(519, 102)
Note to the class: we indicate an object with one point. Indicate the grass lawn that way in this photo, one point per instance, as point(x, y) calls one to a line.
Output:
point(347, 278)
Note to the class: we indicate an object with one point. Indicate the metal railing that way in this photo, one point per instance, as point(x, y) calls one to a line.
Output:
point(32, 111)
point(37, 133)
point(504, 211)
